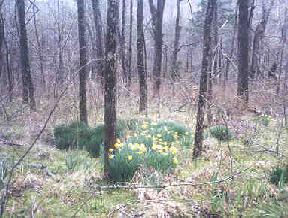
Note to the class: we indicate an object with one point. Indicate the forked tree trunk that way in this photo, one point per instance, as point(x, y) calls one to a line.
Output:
point(83, 60)
point(110, 82)
point(206, 62)
point(243, 52)
point(27, 84)
point(140, 57)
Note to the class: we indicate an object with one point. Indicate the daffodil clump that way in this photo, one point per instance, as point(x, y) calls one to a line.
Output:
point(151, 145)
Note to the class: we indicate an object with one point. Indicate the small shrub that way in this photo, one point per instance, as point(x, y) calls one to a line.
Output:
point(279, 175)
point(221, 133)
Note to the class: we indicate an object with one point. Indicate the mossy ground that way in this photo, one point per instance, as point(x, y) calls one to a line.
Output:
point(63, 187)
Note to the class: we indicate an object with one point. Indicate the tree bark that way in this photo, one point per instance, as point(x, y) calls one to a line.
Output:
point(157, 20)
point(243, 52)
point(83, 60)
point(175, 71)
point(206, 62)
point(110, 81)
point(140, 57)
point(129, 62)
point(123, 43)
point(99, 38)
point(27, 84)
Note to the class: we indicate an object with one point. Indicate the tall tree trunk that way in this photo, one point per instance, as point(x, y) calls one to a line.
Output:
point(39, 51)
point(157, 20)
point(213, 71)
point(259, 35)
point(83, 60)
point(123, 43)
point(99, 37)
point(110, 81)
point(243, 52)
point(206, 63)
point(27, 84)
point(175, 71)
point(228, 62)
point(140, 57)
point(129, 62)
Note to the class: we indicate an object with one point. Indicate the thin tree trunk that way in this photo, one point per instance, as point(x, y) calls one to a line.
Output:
point(129, 61)
point(40, 52)
point(206, 62)
point(243, 52)
point(27, 84)
point(99, 37)
point(175, 71)
point(140, 57)
point(83, 60)
point(123, 43)
point(110, 82)
point(213, 71)
point(157, 18)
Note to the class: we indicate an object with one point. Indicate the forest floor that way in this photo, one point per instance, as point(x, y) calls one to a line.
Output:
point(231, 179)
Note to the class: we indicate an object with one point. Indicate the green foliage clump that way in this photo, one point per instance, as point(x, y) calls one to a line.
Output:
point(4, 166)
point(74, 135)
point(264, 120)
point(77, 161)
point(272, 209)
point(162, 162)
point(123, 164)
point(279, 175)
point(221, 133)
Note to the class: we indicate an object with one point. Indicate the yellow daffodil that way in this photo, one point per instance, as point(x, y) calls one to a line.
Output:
point(111, 150)
point(111, 156)
point(129, 157)
point(175, 160)
point(173, 150)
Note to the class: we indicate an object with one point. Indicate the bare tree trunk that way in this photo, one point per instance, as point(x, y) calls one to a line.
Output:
point(259, 35)
point(110, 81)
point(228, 62)
point(157, 18)
point(39, 51)
point(83, 60)
point(213, 71)
point(140, 57)
point(175, 71)
point(27, 84)
point(129, 62)
point(243, 52)
point(123, 43)
point(206, 62)
point(99, 37)
point(165, 64)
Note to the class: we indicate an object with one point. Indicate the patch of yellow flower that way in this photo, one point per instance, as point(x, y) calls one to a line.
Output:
point(118, 144)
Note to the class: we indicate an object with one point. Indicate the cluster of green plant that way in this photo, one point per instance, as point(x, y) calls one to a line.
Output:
point(79, 135)
point(264, 120)
point(152, 146)
point(4, 166)
point(221, 133)
point(77, 161)
point(279, 175)
point(124, 163)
